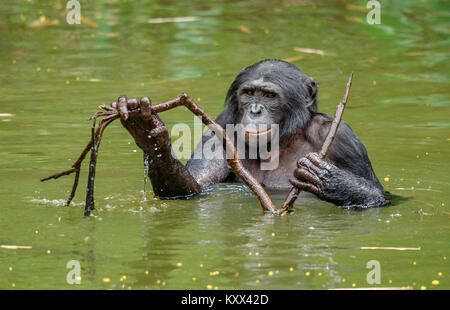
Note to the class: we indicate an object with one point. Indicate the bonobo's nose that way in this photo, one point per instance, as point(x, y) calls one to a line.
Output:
point(255, 108)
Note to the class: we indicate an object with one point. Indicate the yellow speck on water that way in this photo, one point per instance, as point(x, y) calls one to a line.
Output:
point(257, 281)
point(209, 287)
point(67, 82)
point(414, 263)
point(201, 265)
point(440, 274)
point(194, 278)
point(423, 287)
point(270, 273)
point(163, 284)
point(256, 253)
point(291, 269)
point(78, 78)
point(273, 234)
point(319, 274)
point(216, 288)
point(59, 219)
point(426, 153)
point(10, 268)
point(259, 265)
point(36, 232)
point(435, 282)
point(179, 264)
point(146, 272)
point(198, 99)
point(42, 18)
point(123, 278)
point(38, 69)
point(106, 280)
point(343, 280)
point(374, 83)
point(49, 252)
point(214, 273)
point(445, 257)
point(353, 284)
point(442, 204)
point(307, 273)
point(266, 31)
point(14, 61)
point(129, 288)
point(218, 73)
point(386, 179)
point(13, 285)
point(390, 281)
point(250, 253)
point(277, 272)
point(158, 281)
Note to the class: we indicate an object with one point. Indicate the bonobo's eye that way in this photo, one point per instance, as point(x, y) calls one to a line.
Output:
point(249, 92)
point(269, 94)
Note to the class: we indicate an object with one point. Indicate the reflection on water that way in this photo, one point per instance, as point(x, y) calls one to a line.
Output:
point(55, 75)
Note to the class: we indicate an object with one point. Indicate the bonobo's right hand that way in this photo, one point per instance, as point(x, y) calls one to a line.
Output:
point(145, 126)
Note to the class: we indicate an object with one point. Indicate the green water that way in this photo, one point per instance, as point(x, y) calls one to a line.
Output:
point(52, 79)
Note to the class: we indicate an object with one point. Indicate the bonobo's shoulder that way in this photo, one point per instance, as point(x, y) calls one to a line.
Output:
point(318, 126)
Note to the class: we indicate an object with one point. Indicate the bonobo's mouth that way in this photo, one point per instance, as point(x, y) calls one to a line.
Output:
point(253, 132)
point(258, 133)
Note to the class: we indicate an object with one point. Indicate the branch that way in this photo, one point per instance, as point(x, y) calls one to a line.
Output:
point(288, 203)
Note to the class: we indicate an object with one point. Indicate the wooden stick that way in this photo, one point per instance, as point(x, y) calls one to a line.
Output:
point(183, 100)
point(15, 247)
point(288, 203)
point(387, 248)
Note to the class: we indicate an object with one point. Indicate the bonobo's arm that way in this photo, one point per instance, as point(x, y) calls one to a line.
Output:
point(345, 177)
point(170, 178)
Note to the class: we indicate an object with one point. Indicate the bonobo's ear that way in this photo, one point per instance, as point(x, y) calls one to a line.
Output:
point(312, 86)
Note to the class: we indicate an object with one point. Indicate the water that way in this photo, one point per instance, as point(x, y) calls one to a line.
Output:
point(54, 77)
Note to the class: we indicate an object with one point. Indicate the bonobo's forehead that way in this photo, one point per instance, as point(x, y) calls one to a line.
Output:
point(262, 84)
point(275, 72)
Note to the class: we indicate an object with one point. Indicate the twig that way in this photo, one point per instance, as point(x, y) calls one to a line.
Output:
point(288, 203)
point(15, 247)
point(387, 248)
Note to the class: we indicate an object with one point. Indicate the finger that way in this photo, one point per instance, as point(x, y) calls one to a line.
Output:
point(132, 104)
point(160, 134)
point(305, 175)
point(317, 161)
point(122, 106)
point(307, 164)
point(305, 186)
point(146, 107)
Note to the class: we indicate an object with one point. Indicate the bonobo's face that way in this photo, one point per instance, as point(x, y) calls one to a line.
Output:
point(259, 104)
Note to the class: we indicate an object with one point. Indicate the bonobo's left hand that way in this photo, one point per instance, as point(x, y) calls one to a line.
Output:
point(335, 185)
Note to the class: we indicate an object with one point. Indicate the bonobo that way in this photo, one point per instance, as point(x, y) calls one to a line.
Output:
point(268, 92)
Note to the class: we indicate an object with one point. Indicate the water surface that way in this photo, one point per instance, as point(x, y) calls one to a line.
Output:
point(54, 76)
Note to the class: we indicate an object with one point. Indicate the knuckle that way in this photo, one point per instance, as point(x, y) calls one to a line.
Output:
point(302, 162)
point(132, 103)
